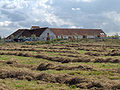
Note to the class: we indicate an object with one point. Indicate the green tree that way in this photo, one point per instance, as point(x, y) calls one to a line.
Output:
point(12, 37)
point(77, 36)
point(33, 36)
point(114, 36)
point(0, 37)
point(21, 37)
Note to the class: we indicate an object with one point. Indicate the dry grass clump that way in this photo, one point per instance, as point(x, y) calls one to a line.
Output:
point(62, 51)
point(91, 49)
point(69, 55)
point(25, 54)
point(82, 59)
point(79, 82)
point(106, 60)
point(118, 70)
point(59, 48)
point(17, 73)
point(63, 79)
point(113, 54)
point(82, 76)
point(50, 58)
point(47, 66)
point(11, 62)
point(14, 63)
point(4, 87)
point(92, 54)
point(56, 59)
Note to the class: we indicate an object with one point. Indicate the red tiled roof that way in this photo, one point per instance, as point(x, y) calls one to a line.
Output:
point(64, 31)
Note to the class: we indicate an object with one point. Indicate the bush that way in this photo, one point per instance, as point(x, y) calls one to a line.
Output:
point(43, 42)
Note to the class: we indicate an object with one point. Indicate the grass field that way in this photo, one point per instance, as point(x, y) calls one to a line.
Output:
point(64, 65)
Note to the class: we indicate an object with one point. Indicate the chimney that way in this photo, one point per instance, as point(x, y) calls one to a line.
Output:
point(35, 27)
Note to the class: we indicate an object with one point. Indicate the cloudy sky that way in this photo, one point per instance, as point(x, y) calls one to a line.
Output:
point(104, 14)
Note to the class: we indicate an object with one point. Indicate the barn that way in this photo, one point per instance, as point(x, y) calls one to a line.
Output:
point(46, 33)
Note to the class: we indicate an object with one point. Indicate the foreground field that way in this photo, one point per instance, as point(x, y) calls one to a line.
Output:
point(64, 66)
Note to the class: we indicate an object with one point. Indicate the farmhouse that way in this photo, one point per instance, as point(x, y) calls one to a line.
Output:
point(46, 33)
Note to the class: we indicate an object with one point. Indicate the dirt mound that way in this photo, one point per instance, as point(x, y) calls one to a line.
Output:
point(47, 66)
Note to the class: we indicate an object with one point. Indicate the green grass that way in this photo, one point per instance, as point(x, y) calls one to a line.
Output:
point(23, 60)
point(82, 51)
point(97, 65)
point(6, 57)
point(33, 85)
point(100, 70)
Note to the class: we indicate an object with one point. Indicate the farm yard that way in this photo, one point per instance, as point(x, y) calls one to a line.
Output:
point(60, 66)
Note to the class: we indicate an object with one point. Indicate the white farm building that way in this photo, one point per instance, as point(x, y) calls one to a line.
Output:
point(53, 33)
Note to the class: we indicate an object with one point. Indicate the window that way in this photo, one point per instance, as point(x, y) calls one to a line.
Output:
point(84, 36)
point(47, 34)
point(98, 36)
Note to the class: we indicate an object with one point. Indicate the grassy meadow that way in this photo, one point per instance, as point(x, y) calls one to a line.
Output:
point(60, 65)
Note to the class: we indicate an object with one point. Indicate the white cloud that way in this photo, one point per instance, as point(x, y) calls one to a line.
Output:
point(113, 33)
point(114, 16)
point(75, 27)
point(13, 4)
point(37, 11)
point(52, 19)
point(75, 9)
point(5, 23)
point(51, 1)
point(84, 0)
point(59, 13)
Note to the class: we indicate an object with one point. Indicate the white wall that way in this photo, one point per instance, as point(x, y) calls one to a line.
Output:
point(90, 36)
point(8, 40)
point(67, 36)
point(43, 36)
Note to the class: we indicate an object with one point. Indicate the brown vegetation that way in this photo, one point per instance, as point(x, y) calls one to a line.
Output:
point(47, 66)
point(78, 65)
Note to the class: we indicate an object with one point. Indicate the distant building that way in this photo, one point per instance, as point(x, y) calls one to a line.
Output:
point(53, 33)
